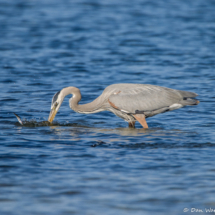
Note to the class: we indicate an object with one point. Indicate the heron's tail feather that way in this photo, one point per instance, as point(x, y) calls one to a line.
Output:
point(187, 94)
point(189, 101)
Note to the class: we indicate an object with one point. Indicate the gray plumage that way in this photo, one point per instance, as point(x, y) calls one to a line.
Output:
point(129, 100)
point(149, 99)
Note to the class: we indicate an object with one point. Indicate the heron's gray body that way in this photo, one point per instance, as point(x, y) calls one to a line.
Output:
point(128, 100)
point(138, 98)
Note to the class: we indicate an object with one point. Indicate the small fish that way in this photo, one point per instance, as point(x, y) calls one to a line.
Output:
point(19, 119)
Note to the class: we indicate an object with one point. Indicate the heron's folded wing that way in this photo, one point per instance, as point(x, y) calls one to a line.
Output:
point(144, 98)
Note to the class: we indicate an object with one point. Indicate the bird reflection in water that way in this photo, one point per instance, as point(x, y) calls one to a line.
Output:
point(124, 136)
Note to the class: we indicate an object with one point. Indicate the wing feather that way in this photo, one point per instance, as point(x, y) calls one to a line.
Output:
point(144, 97)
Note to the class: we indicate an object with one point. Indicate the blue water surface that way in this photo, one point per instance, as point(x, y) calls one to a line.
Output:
point(95, 164)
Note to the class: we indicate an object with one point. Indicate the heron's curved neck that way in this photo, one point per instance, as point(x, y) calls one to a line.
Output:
point(92, 107)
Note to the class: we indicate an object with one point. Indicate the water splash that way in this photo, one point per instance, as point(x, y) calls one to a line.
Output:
point(35, 123)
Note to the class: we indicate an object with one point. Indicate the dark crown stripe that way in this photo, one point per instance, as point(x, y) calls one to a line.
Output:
point(55, 97)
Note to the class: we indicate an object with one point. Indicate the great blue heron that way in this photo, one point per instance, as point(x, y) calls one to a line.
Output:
point(131, 102)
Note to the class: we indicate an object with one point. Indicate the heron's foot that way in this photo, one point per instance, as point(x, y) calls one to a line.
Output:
point(131, 124)
point(141, 119)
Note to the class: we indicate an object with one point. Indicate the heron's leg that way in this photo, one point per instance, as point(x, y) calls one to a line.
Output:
point(131, 124)
point(141, 119)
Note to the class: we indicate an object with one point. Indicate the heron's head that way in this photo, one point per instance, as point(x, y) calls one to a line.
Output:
point(55, 106)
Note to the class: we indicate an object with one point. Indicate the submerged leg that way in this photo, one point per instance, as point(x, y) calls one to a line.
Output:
point(141, 119)
point(131, 124)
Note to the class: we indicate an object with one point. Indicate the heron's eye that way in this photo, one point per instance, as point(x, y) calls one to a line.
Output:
point(56, 104)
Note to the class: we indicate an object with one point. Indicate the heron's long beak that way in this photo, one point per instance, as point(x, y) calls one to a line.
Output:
point(52, 114)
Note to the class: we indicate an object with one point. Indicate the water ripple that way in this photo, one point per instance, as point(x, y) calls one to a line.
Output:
point(94, 164)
